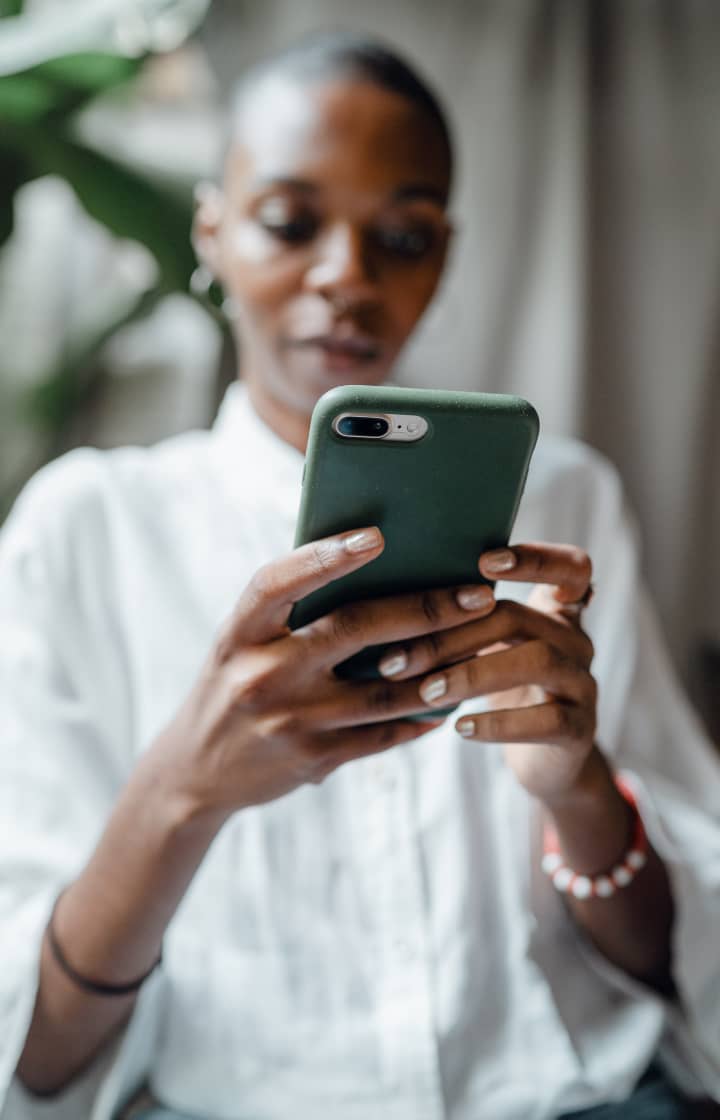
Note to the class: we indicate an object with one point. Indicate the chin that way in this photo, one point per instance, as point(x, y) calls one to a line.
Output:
point(302, 383)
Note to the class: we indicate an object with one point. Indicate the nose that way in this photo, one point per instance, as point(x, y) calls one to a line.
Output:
point(341, 270)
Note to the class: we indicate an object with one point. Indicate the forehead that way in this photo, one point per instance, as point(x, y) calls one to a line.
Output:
point(339, 133)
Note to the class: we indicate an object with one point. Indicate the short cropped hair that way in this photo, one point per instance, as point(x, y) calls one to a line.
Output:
point(334, 54)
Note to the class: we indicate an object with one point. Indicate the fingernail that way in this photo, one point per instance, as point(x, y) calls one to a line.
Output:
point(465, 727)
point(364, 541)
point(392, 664)
point(433, 689)
point(474, 598)
point(502, 560)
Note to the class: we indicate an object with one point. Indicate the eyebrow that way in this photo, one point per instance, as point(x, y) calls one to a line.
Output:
point(423, 191)
point(409, 192)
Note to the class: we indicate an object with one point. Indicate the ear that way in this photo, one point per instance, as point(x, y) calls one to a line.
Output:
point(209, 204)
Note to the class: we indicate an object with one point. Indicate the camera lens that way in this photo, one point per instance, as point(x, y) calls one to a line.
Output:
point(358, 426)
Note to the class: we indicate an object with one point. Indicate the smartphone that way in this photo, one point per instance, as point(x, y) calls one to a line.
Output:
point(441, 473)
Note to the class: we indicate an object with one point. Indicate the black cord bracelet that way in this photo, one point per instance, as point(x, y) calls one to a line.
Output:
point(94, 987)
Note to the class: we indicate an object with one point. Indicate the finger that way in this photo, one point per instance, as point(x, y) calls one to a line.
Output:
point(262, 611)
point(554, 722)
point(371, 622)
point(567, 568)
point(348, 704)
point(339, 747)
point(509, 622)
point(531, 663)
point(544, 598)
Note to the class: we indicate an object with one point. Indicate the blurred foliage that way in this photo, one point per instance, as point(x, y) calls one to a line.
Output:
point(38, 112)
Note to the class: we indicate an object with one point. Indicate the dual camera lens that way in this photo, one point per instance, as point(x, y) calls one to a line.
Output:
point(371, 427)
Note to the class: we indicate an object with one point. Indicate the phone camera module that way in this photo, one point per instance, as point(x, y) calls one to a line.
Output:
point(369, 427)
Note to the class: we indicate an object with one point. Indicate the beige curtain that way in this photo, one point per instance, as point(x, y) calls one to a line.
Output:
point(586, 270)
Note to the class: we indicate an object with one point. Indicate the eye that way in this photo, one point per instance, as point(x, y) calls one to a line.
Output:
point(410, 243)
point(286, 221)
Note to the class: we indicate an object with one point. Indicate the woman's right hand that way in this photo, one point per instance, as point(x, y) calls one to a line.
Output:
point(268, 714)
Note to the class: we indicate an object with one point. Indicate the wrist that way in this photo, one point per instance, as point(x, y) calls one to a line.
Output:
point(592, 786)
point(176, 807)
point(593, 822)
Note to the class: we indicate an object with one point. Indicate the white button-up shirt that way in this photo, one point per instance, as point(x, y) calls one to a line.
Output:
point(382, 945)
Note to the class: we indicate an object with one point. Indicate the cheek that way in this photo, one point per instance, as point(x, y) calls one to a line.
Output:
point(408, 294)
point(260, 274)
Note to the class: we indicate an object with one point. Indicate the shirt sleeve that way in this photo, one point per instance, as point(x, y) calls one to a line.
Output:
point(648, 728)
point(64, 734)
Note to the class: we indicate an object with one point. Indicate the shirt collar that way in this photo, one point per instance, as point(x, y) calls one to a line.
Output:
point(253, 458)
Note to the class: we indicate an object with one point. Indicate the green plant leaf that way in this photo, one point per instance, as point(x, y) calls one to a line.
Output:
point(91, 71)
point(10, 8)
point(24, 97)
point(126, 202)
point(62, 86)
point(14, 174)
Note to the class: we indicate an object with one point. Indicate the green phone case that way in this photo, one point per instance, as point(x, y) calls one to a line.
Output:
point(439, 501)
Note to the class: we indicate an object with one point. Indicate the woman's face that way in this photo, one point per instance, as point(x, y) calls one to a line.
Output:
point(329, 234)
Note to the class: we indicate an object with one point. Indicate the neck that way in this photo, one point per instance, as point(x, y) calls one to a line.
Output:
point(290, 426)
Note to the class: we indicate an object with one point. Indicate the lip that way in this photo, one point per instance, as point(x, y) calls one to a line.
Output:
point(342, 345)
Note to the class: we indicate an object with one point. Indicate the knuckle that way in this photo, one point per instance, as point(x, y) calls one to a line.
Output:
point(252, 686)
point(245, 693)
point(320, 768)
point(493, 726)
point(346, 623)
point(559, 715)
point(571, 721)
point(464, 677)
point(324, 555)
point(380, 697)
point(284, 724)
point(583, 563)
point(431, 608)
point(262, 584)
point(224, 647)
point(509, 614)
point(545, 657)
point(587, 650)
point(311, 764)
point(592, 690)
point(539, 562)
point(386, 735)
point(431, 647)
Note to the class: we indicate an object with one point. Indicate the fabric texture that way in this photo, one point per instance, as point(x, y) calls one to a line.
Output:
point(384, 943)
point(653, 1099)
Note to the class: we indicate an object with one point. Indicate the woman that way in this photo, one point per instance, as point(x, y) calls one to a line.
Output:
point(377, 938)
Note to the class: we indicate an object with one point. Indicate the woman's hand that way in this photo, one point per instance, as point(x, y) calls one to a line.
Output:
point(268, 714)
point(531, 660)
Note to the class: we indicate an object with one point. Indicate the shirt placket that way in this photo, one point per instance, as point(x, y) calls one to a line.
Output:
point(391, 861)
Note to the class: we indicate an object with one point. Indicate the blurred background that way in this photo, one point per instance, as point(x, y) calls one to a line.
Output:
point(586, 273)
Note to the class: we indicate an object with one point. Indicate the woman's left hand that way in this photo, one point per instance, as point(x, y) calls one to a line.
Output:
point(532, 660)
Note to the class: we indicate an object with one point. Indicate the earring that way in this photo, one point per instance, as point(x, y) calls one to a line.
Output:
point(201, 281)
point(230, 309)
point(209, 292)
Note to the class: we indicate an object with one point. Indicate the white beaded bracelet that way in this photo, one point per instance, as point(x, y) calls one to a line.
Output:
point(605, 885)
